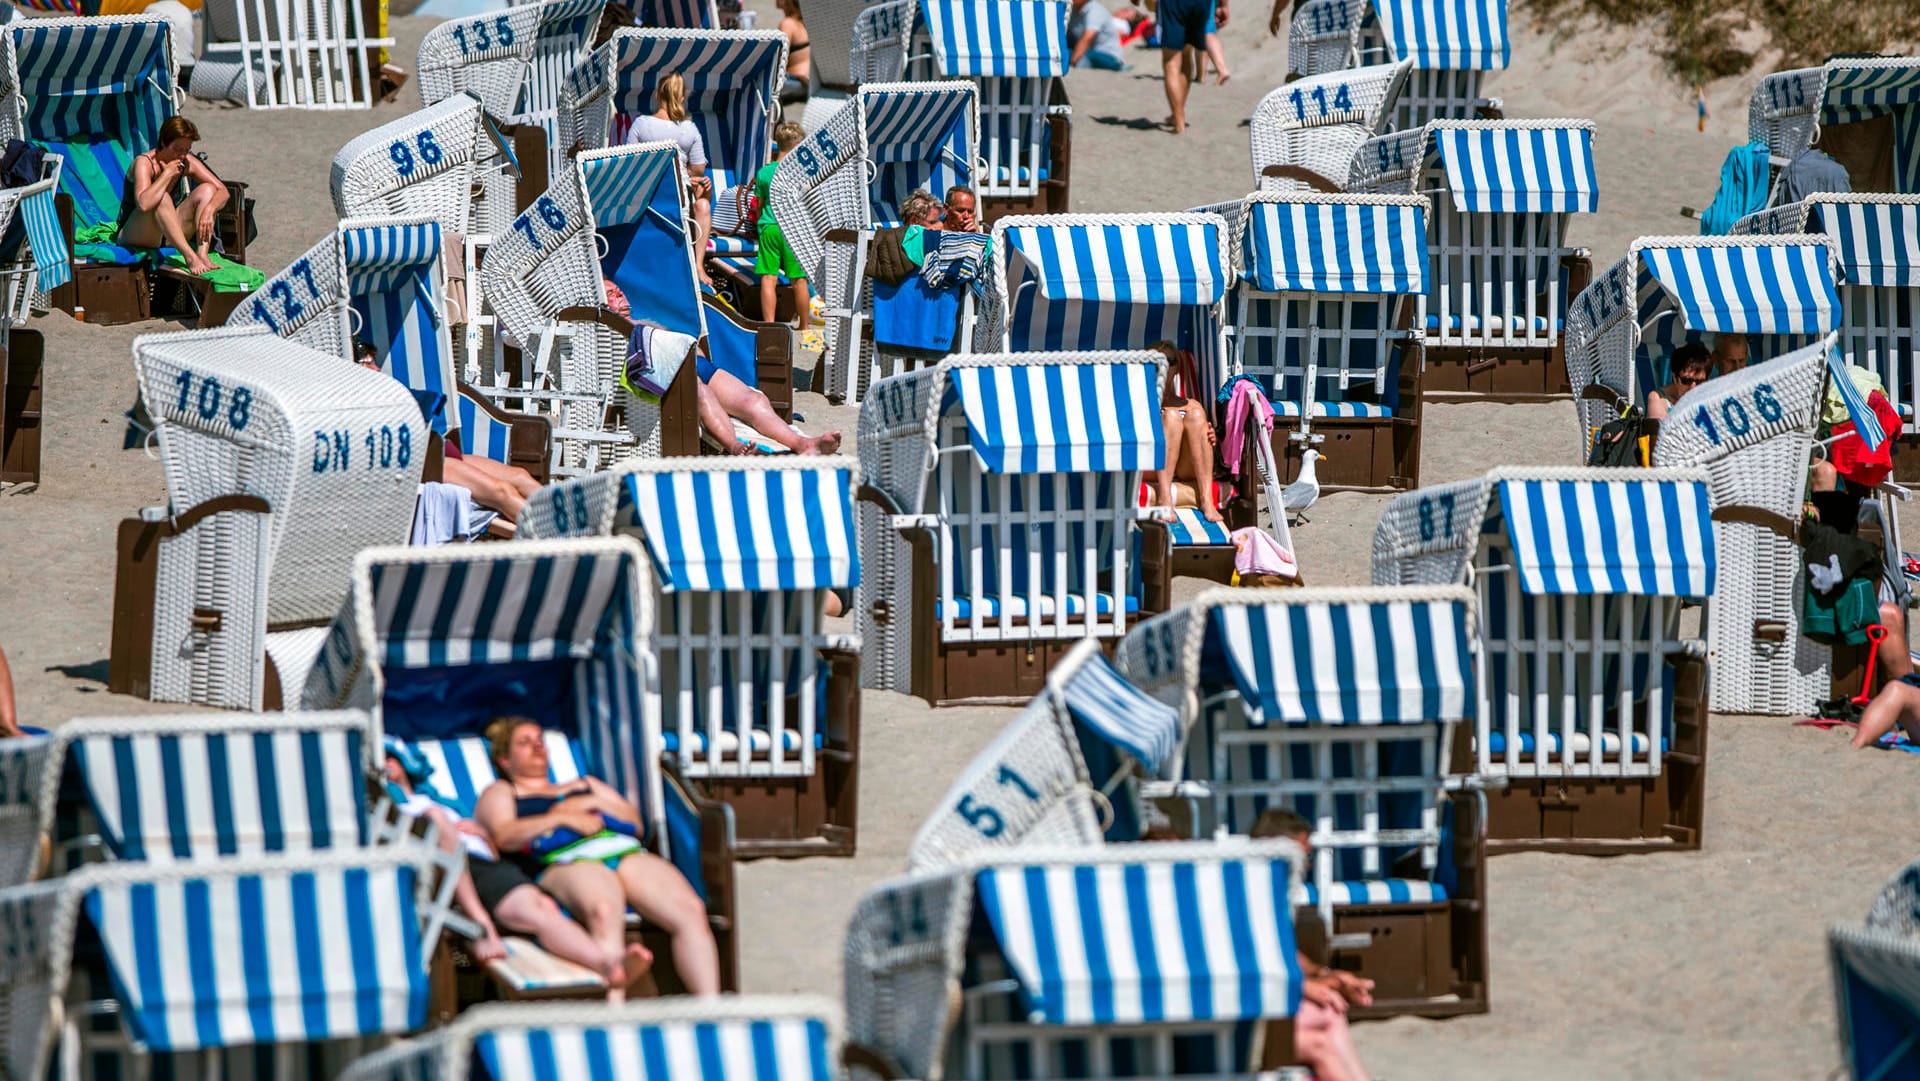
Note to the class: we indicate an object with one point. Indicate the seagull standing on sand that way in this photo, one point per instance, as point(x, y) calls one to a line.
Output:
point(1304, 492)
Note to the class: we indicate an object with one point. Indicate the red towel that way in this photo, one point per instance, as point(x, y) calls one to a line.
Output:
point(1850, 456)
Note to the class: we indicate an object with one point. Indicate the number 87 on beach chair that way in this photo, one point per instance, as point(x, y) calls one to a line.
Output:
point(1591, 732)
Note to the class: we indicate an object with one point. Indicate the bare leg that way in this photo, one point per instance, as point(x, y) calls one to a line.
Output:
point(1322, 1040)
point(592, 893)
point(1896, 655)
point(661, 894)
point(769, 296)
point(488, 948)
point(1199, 446)
point(713, 417)
point(512, 476)
point(702, 227)
point(163, 228)
point(1823, 477)
point(1176, 428)
point(202, 196)
point(488, 490)
point(530, 911)
point(802, 306)
point(1177, 84)
point(1897, 703)
point(1218, 54)
point(748, 404)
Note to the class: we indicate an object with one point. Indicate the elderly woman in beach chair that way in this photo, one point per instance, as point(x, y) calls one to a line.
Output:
point(442, 642)
point(1591, 729)
point(94, 93)
point(1306, 132)
point(1448, 44)
point(1026, 962)
point(1501, 273)
point(1339, 705)
point(1862, 112)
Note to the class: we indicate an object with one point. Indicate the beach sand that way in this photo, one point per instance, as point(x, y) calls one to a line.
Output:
point(1702, 965)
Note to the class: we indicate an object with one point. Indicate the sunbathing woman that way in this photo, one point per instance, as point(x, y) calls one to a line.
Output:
point(152, 219)
point(590, 859)
point(723, 398)
point(1190, 440)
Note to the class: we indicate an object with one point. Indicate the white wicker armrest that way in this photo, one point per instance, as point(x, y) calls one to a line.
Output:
point(914, 521)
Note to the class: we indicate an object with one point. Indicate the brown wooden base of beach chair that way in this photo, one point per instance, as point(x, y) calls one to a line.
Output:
point(1428, 960)
point(790, 817)
point(21, 364)
point(192, 297)
point(1497, 375)
point(1357, 454)
point(107, 295)
point(1601, 816)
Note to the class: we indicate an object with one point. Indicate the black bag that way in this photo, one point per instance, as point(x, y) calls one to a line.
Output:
point(1617, 444)
point(21, 164)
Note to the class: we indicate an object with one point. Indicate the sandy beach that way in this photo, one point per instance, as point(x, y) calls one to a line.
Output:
point(1701, 965)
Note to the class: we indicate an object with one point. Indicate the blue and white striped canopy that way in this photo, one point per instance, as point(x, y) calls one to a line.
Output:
point(1101, 699)
point(1748, 289)
point(1519, 170)
point(378, 256)
point(732, 77)
point(748, 529)
point(391, 283)
point(1648, 538)
point(1879, 243)
point(281, 956)
point(916, 135)
point(1132, 943)
point(1151, 263)
point(1382, 662)
point(183, 795)
point(1453, 35)
point(1062, 418)
point(1321, 247)
point(106, 78)
point(1018, 38)
point(46, 239)
point(1857, 91)
point(515, 607)
point(639, 186)
point(783, 1049)
point(625, 187)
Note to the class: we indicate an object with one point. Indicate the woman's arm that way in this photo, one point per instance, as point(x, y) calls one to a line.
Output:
point(150, 184)
point(612, 802)
point(495, 813)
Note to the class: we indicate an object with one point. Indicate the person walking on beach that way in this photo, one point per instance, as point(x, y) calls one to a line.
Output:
point(1182, 23)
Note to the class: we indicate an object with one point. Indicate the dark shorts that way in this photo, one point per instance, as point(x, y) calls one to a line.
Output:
point(1183, 23)
point(494, 879)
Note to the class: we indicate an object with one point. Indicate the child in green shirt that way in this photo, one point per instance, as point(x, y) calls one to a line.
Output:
point(775, 256)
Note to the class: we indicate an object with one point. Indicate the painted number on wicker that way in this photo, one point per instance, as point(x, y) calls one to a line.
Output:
point(813, 163)
point(550, 214)
point(570, 510)
point(482, 41)
point(1328, 18)
point(387, 447)
point(404, 163)
point(1156, 642)
point(1438, 525)
point(884, 21)
point(894, 398)
point(986, 819)
point(1604, 299)
point(282, 291)
point(1391, 153)
point(1733, 414)
point(906, 918)
point(1342, 100)
point(1782, 93)
point(205, 396)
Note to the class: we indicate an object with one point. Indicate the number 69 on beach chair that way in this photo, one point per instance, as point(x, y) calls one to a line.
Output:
point(1591, 732)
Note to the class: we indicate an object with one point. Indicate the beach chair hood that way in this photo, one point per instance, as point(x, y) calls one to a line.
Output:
point(1876, 238)
point(1333, 244)
point(733, 90)
point(1789, 109)
point(427, 162)
point(515, 62)
point(1457, 35)
point(997, 38)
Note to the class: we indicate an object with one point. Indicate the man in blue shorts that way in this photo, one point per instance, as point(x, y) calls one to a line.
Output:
point(1182, 23)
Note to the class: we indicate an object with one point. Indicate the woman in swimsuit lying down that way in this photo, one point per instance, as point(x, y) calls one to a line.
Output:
point(581, 843)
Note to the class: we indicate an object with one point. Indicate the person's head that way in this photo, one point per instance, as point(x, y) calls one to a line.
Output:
point(791, 8)
point(921, 208)
point(1730, 352)
point(365, 355)
point(518, 747)
point(1280, 822)
point(786, 136)
point(963, 209)
point(1692, 365)
point(670, 97)
point(177, 136)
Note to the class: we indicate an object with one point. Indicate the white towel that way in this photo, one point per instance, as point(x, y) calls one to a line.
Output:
point(440, 514)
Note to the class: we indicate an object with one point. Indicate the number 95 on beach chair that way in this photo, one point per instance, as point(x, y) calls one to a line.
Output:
point(1000, 518)
point(1339, 705)
point(1591, 730)
point(1144, 960)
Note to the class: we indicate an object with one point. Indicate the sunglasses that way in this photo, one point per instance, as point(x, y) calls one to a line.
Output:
point(1689, 382)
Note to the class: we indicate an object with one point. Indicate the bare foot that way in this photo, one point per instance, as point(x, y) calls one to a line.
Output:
point(1212, 514)
point(638, 965)
point(489, 948)
point(821, 444)
point(1224, 76)
point(1165, 497)
point(198, 266)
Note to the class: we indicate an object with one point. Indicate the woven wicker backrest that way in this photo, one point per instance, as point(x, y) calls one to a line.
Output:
point(1753, 430)
point(426, 162)
point(1325, 35)
point(1789, 109)
point(1319, 122)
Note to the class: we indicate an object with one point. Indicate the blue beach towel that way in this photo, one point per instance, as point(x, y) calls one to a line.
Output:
point(1744, 186)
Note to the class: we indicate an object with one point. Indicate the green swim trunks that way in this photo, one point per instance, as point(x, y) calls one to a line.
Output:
point(775, 256)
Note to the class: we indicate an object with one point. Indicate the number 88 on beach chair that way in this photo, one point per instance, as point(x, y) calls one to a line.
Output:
point(281, 462)
point(1591, 732)
point(1339, 705)
point(1000, 517)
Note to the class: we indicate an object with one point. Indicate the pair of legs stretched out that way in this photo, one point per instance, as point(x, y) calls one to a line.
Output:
point(599, 896)
point(724, 399)
point(1190, 440)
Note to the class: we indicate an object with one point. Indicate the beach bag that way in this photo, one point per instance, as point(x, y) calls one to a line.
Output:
point(560, 846)
point(1845, 619)
point(1257, 556)
point(1617, 444)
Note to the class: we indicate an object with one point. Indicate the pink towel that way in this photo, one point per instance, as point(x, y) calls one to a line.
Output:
point(1247, 399)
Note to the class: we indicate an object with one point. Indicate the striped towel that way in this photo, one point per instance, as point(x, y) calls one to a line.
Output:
point(956, 259)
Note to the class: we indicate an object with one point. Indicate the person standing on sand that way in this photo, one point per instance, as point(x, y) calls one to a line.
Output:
point(1182, 23)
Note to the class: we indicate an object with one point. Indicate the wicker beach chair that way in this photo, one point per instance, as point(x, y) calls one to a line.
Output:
point(1034, 962)
point(281, 54)
point(95, 93)
point(1864, 112)
point(1339, 704)
point(1306, 132)
point(759, 700)
point(767, 1037)
point(516, 63)
point(848, 180)
point(999, 522)
point(285, 965)
point(1321, 314)
point(860, 43)
point(22, 764)
point(1591, 729)
point(438, 642)
point(40, 262)
point(1015, 52)
point(1876, 983)
point(448, 161)
point(382, 281)
point(281, 462)
point(1448, 42)
point(1061, 775)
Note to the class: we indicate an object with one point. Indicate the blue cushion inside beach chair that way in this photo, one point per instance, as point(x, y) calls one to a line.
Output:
point(647, 260)
point(1190, 527)
point(734, 348)
point(462, 767)
point(442, 702)
point(1381, 891)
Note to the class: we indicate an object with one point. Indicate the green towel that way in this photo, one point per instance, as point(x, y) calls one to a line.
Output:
point(227, 276)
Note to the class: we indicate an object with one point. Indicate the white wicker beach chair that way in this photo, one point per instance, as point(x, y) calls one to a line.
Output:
point(1029, 962)
point(1000, 518)
point(759, 699)
point(1876, 982)
point(1501, 272)
point(1321, 314)
point(1339, 704)
point(286, 965)
point(768, 1037)
point(290, 54)
point(1591, 728)
point(23, 762)
point(515, 62)
point(437, 642)
point(1448, 42)
point(848, 180)
point(1306, 132)
point(281, 462)
point(1753, 431)
point(1016, 52)
point(1061, 775)
point(447, 161)
point(1864, 112)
